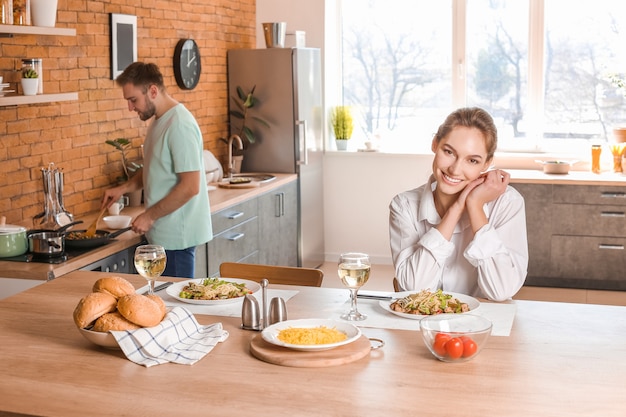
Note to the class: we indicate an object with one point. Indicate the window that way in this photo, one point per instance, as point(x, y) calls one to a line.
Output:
point(544, 74)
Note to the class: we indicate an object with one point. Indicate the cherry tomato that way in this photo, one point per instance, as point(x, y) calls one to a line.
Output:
point(469, 346)
point(439, 344)
point(454, 348)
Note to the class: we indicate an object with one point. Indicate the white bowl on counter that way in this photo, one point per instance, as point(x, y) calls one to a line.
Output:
point(117, 222)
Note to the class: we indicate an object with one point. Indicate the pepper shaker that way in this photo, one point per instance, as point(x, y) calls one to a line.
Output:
point(250, 319)
point(278, 310)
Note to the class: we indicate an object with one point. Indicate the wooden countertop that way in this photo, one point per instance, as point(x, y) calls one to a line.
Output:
point(529, 176)
point(219, 199)
point(560, 360)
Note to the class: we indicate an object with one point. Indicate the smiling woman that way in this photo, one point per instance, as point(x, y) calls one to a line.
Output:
point(468, 224)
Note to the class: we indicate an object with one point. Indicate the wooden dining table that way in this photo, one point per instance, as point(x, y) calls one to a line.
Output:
point(560, 359)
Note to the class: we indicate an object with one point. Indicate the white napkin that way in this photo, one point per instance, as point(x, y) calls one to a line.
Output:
point(178, 338)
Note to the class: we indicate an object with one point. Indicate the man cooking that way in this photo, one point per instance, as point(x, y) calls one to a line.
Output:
point(177, 214)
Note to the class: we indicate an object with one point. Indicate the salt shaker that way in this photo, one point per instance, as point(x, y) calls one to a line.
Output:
point(278, 310)
point(250, 319)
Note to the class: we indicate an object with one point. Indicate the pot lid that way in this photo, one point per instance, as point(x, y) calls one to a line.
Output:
point(9, 229)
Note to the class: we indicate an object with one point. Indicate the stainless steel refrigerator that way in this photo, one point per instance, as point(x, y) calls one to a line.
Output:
point(289, 91)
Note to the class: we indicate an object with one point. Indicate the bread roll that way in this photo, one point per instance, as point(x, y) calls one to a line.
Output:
point(116, 286)
point(92, 306)
point(113, 321)
point(140, 310)
point(160, 302)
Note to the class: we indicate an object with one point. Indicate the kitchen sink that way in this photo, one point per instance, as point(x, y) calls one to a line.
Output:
point(262, 178)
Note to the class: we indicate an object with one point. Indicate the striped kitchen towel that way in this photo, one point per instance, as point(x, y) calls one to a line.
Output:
point(179, 338)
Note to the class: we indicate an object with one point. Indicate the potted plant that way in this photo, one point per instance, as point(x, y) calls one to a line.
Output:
point(343, 125)
point(244, 102)
point(30, 82)
point(130, 167)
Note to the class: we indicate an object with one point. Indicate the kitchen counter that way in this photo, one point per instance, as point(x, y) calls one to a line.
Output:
point(560, 359)
point(219, 198)
point(529, 176)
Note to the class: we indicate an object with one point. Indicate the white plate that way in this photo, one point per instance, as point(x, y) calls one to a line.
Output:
point(471, 302)
point(175, 289)
point(270, 334)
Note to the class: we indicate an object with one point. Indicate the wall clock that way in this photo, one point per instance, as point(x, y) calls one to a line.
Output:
point(187, 65)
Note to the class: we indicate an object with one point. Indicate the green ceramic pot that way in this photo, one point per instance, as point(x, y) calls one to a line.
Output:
point(13, 241)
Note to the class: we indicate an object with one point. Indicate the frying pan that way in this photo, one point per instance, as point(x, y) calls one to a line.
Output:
point(102, 237)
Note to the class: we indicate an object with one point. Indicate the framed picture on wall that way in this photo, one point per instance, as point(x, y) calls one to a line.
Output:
point(123, 42)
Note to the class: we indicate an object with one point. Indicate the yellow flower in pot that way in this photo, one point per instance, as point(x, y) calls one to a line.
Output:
point(30, 82)
point(343, 125)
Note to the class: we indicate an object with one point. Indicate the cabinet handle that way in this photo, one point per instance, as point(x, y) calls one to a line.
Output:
point(612, 214)
point(303, 158)
point(279, 208)
point(613, 194)
point(607, 246)
point(282, 203)
point(235, 215)
point(236, 236)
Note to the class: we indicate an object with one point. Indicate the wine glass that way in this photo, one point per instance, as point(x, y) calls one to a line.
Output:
point(354, 271)
point(150, 262)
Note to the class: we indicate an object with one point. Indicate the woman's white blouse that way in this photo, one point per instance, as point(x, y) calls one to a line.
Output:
point(491, 263)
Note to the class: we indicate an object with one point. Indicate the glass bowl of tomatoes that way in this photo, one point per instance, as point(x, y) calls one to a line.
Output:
point(455, 337)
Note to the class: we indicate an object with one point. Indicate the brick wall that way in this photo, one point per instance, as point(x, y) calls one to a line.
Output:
point(72, 134)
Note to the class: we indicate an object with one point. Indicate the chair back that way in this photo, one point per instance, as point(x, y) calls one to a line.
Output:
point(396, 285)
point(285, 275)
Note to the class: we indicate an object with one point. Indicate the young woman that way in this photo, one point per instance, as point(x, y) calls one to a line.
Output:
point(464, 230)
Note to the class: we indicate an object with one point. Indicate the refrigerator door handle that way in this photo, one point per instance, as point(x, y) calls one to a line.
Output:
point(303, 158)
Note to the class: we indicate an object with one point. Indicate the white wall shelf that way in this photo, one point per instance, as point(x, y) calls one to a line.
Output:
point(36, 99)
point(36, 30)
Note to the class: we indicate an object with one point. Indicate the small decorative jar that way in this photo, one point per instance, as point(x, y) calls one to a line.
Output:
point(21, 12)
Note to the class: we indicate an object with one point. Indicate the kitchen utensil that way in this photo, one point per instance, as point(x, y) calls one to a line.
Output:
point(49, 242)
point(250, 314)
point(91, 230)
point(101, 237)
point(278, 311)
point(13, 240)
point(64, 216)
point(158, 288)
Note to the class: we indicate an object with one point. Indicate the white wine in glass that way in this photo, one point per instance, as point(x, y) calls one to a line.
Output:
point(150, 263)
point(354, 271)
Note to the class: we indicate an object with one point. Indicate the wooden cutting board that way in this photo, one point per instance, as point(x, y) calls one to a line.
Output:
point(279, 355)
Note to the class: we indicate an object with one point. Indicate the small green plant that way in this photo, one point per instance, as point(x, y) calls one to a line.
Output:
point(29, 73)
point(245, 102)
point(342, 122)
point(130, 167)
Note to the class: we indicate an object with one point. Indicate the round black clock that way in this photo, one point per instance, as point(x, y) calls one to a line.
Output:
point(187, 66)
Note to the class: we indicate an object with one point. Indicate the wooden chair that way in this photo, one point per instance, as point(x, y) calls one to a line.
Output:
point(396, 285)
point(285, 275)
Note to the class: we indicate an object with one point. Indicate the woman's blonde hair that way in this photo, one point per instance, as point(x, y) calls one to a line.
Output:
point(471, 117)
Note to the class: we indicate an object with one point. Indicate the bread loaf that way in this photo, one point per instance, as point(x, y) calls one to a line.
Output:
point(113, 321)
point(92, 306)
point(140, 309)
point(160, 303)
point(116, 286)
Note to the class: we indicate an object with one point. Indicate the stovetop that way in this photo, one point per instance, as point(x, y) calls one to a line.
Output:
point(56, 259)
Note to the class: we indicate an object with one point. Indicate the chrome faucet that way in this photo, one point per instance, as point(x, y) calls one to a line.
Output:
point(231, 164)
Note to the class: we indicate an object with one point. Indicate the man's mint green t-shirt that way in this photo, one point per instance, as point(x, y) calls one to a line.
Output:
point(173, 145)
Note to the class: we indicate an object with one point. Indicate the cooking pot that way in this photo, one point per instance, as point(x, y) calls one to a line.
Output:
point(12, 240)
point(49, 242)
point(556, 167)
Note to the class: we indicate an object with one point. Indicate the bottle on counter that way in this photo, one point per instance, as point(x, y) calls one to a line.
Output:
point(596, 151)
